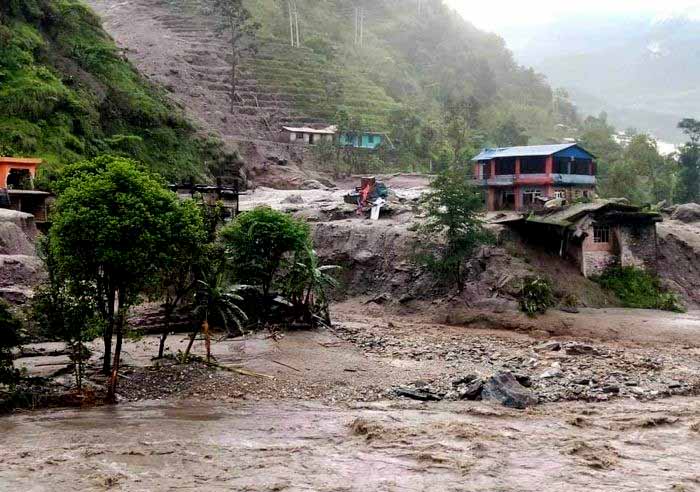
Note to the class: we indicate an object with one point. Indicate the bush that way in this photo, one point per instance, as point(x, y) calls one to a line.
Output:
point(637, 288)
point(536, 296)
point(9, 338)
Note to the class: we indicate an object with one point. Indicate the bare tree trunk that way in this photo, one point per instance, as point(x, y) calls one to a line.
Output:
point(108, 333)
point(166, 330)
point(193, 335)
point(207, 338)
point(234, 64)
point(114, 378)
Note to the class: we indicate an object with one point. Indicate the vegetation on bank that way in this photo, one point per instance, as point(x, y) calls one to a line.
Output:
point(67, 93)
point(536, 296)
point(120, 237)
point(453, 229)
point(639, 289)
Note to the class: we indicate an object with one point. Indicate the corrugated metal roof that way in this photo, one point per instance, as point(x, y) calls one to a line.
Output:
point(567, 216)
point(330, 130)
point(524, 151)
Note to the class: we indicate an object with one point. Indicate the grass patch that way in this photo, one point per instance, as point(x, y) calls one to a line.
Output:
point(66, 94)
point(639, 289)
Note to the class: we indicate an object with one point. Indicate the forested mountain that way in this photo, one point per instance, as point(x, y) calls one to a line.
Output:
point(67, 93)
point(425, 58)
point(644, 71)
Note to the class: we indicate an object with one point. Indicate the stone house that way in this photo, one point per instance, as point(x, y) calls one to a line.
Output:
point(595, 235)
point(309, 135)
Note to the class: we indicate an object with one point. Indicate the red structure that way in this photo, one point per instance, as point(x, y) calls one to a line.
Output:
point(17, 188)
point(524, 178)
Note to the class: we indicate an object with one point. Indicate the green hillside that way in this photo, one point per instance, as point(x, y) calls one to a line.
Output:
point(67, 93)
point(424, 61)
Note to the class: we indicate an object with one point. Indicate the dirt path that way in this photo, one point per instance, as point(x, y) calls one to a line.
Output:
point(294, 446)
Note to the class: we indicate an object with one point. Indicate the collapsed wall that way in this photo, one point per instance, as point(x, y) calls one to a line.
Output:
point(679, 259)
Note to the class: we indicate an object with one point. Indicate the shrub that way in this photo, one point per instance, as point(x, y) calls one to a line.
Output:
point(536, 296)
point(640, 289)
point(453, 230)
point(9, 338)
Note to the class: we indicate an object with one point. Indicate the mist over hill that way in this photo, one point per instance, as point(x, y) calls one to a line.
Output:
point(643, 71)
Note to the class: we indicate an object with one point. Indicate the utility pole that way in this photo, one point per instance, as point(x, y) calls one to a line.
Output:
point(357, 24)
point(362, 27)
point(296, 21)
point(293, 23)
point(420, 7)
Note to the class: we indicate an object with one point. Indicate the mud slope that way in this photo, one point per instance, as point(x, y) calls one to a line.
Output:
point(183, 53)
point(679, 258)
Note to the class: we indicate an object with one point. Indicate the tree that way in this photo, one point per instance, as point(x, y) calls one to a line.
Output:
point(690, 161)
point(9, 338)
point(185, 253)
point(306, 285)
point(235, 19)
point(261, 242)
point(111, 226)
point(453, 229)
point(65, 309)
point(216, 299)
point(691, 127)
point(510, 133)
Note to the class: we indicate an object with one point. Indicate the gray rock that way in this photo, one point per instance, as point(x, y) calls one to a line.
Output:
point(296, 199)
point(505, 389)
point(548, 347)
point(420, 395)
point(689, 212)
point(472, 392)
point(580, 349)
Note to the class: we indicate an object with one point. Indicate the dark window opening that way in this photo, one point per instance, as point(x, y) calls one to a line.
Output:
point(487, 170)
point(505, 166)
point(530, 196)
point(561, 165)
point(19, 179)
point(581, 167)
point(601, 234)
point(533, 165)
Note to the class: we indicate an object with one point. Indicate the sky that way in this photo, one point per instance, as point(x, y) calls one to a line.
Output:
point(496, 15)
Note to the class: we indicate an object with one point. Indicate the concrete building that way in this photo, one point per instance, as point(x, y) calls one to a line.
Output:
point(309, 135)
point(524, 178)
point(17, 188)
point(594, 235)
point(363, 140)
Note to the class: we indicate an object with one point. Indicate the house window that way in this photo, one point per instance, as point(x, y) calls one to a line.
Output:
point(560, 194)
point(601, 234)
point(370, 139)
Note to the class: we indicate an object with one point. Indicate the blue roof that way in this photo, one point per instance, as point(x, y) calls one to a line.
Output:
point(527, 151)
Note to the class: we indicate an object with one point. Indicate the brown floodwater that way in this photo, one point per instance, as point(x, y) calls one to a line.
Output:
point(302, 446)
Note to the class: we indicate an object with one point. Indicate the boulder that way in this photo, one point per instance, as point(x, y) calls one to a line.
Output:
point(506, 390)
point(295, 198)
point(472, 392)
point(689, 212)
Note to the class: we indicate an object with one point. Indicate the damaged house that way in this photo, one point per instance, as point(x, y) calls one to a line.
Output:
point(594, 235)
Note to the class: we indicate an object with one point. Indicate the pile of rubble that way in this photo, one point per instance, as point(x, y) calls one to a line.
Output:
point(551, 371)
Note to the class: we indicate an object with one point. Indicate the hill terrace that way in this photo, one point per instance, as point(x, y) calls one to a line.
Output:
point(524, 178)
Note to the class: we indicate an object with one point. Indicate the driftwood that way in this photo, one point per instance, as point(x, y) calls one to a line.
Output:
point(239, 370)
point(286, 365)
point(26, 352)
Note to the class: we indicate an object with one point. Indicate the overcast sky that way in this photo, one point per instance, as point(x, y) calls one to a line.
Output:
point(494, 15)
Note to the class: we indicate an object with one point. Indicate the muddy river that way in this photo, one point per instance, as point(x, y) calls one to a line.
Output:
point(394, 446)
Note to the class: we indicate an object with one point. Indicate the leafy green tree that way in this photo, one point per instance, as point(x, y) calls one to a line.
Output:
point(509, 134)
point(65, 309)
point(216, 299)
point(690, 161)
point(9, 338)
point(112, 224)
point(307, 283)
point(235, 20)
point(177, 278)
point(453, 228)
point(260, 243)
